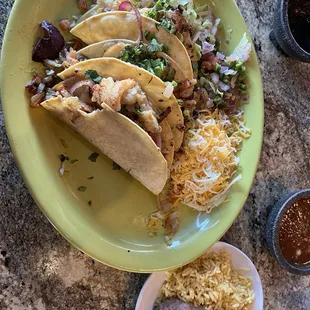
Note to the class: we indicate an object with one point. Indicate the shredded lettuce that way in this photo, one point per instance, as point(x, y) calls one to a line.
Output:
point(242, 51)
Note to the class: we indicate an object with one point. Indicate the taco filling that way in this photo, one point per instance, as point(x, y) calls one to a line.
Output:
point(123, 96)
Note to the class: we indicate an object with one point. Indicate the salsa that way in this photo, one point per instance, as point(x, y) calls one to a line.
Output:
point(299, 20)
point(294, 236)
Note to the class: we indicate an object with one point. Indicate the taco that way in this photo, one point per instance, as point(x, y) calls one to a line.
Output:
point(117, 25)
point(112, 105)
point(150, 84)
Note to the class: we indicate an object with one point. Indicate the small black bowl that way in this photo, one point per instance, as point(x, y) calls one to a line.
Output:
point(282, 35)
point(272, 233)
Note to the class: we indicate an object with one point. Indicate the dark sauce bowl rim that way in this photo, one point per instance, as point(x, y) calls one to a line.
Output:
point(273, 223)
point(284, 6)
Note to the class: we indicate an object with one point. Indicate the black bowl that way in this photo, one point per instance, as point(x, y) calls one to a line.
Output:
point(272, 233)
point(282, 34)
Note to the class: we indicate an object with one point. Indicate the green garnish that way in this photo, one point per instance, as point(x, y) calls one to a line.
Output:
point(168, 25)
point(226, 80)
point(154, 66)
point(93, 157)
point(90, 178)
point(198, 51)
point(155, 47)
point(82, 188)
point(33, 71)
point(137, 108)
point(222, 105)
point(93, 75)
point(116, 166)
point(64, 144)
point(217, 99)
point(123, 110)
point(149, 35)
point(238, 65)
point(219, 93)
point(169, 74)
point(174, 83)
point(159, 6)
point(146, 57)
point(242, 86)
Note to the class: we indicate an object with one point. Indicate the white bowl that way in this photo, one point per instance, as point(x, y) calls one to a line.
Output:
point(151, 287)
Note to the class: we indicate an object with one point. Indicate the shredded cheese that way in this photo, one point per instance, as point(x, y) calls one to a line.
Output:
point(203, 173)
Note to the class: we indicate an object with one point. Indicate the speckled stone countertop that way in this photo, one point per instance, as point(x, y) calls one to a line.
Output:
point(40, 270)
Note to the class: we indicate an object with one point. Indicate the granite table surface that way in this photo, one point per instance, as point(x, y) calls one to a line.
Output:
point(41, 270)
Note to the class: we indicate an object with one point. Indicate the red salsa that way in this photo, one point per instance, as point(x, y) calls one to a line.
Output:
point(294, 236)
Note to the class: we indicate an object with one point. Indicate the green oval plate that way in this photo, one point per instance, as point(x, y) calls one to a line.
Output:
point(106, 220)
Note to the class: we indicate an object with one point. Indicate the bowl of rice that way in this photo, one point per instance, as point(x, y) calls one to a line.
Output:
point(222, 278)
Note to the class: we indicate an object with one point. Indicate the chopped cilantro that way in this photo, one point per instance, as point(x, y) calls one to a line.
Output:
point(93, 157)
point(137, 108)
point(160, 6)
point(158, 71)
point(82, 188)
point(151, 14)
point(146, 57)
point(149, 35)
point(217, 67)
point(116, 166)
point(64, 144)
point(169, 74)
point(132, 53)
point(123, 110)
point(222, 105)
point(93, 75)
point(154, 46)
point(155, 66)
point(168, 25)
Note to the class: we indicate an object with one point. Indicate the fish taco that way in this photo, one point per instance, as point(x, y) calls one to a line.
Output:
point(120, 109)
point(158, 93)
